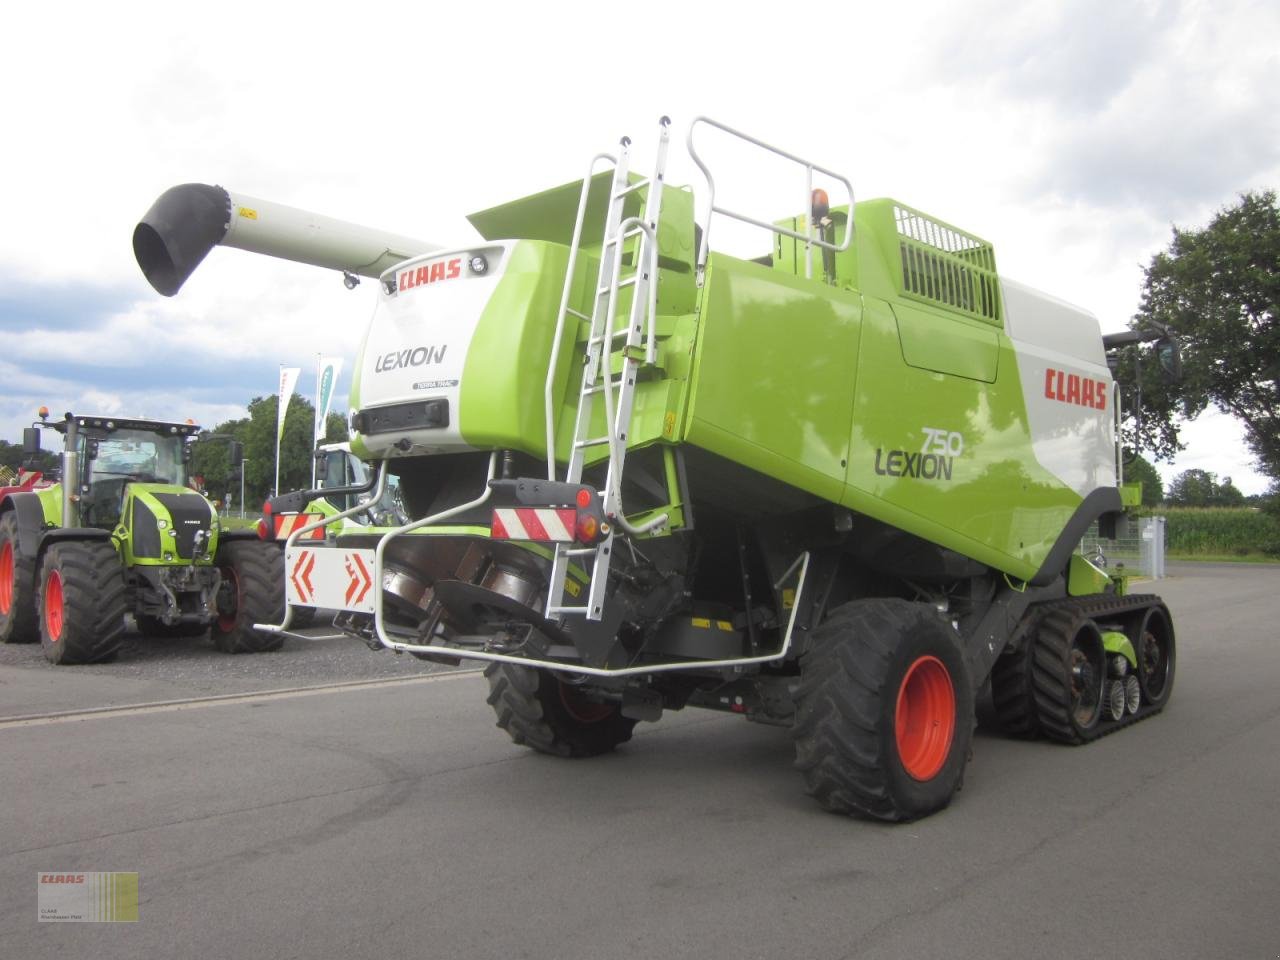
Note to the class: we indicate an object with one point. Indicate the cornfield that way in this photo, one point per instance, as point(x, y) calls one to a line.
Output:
point(1220, 531)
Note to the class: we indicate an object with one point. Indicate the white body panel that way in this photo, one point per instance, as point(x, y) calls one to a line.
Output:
point(417, 342)
point(330, 577)
point(1066, 386)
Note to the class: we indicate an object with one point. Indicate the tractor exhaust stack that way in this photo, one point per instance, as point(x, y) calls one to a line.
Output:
point(189, 220)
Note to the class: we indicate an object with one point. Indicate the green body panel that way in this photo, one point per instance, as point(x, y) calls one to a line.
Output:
point(1113, 641)
point(503, 381)
point(1131, 493)
point(51, 503)
point(1083, 578)
point(989, 498)
point(124, 533)
point(885, 383)
point(760, 393)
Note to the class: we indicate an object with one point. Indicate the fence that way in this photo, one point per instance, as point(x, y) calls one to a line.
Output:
point(1139, 546)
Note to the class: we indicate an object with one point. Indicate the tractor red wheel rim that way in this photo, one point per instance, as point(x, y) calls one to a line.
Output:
point(227, 621)
point(53, 610)
point(925, 719)
point(580, 708)
point(6, 578)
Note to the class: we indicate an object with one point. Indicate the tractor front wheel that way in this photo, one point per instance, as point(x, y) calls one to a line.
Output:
point(548, 715)
point(252, 591)
point(884, 711)
point(81, 603)
point(18, 622)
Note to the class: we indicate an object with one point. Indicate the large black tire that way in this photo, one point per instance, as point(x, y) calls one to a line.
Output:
point(541, 712)
point(884, 711)
point(155, 627)
point(252, 591)
point(1068, 676)
point(81, 602)
point(1012, 701)
point(18, 619)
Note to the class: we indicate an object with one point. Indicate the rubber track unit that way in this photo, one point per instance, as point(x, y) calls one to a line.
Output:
point(93, 601)
point(1011, 697)
point(1060, 618)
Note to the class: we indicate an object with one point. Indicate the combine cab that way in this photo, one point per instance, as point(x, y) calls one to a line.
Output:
point(837, 487)
point(122, 533)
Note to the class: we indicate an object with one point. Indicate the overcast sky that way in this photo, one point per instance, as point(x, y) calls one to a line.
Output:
point(1071, 135)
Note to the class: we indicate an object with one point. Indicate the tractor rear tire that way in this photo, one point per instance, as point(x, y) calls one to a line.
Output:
point(884, 711)
point(252, 591)
point(541, 712)
point(1068, 676)
point(19, 622)
point(82, 602)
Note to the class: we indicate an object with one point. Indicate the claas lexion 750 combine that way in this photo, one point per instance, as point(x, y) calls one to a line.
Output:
point(837, 488)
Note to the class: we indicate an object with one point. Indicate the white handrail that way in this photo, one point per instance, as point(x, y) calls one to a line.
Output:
point(810, 238)
point(564, 310)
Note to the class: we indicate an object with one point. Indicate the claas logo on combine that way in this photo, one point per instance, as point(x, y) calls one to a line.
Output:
point(1073, 388)
point(429, 273)
point(62, 878)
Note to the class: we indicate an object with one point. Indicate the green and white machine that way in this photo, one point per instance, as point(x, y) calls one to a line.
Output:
point(123, 533)
point(838, 487)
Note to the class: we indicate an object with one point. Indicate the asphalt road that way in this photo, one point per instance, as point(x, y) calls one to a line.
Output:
point(392, 819)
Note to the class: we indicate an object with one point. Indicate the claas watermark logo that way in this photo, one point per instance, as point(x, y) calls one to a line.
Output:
point(87, 897)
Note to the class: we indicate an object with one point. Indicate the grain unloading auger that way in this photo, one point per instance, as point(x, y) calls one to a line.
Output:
point(838, 487)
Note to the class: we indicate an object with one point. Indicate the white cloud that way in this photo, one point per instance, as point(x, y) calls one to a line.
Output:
point(1069, 134)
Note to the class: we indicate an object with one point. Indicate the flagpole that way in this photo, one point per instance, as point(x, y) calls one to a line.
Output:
point(315, 440)
point(275, 489)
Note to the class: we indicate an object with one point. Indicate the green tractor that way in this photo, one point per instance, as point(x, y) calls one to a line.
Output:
point(122, 533)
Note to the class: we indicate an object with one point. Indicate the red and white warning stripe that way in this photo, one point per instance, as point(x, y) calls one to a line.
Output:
point(286, 523)
point(534, 523)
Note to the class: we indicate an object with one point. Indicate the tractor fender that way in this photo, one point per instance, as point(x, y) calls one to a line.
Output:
point(227, 536)
point(30, 515)
point(1094, 507)
point(65, 534)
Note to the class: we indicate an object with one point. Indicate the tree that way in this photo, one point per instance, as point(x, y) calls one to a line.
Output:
point(1140, 470)
point(1217, 289)
point(257, 434)
point(1199, 488)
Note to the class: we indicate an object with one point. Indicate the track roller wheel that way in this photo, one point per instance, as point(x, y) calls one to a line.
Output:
point(544, 713)
point(884, 711)
point(1157, 656)
point(81, 602)
point(1069, 676)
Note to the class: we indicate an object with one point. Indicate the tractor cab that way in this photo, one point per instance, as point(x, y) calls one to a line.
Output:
point(112, 460)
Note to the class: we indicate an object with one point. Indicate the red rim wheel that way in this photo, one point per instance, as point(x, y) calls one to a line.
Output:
point(53, 610)
point(6, 578)
point(925, 718)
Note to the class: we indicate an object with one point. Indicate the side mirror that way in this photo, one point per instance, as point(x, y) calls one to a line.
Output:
point(1169, 358)
point(235, 453)
point(30, 441)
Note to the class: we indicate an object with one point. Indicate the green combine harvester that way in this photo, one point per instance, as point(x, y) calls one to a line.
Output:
point(838, 487)
point(123, 533)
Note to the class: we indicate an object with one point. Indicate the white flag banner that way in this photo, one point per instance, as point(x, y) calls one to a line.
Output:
point(327, 373)
point(288, 379)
